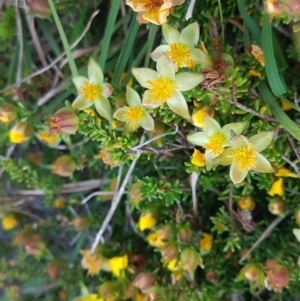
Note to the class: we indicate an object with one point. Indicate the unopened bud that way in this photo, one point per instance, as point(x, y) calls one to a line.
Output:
point(64, 166)
point(8, 113)
point(278, 277)
point(297, 216)
point(169, 252)
point(135, 194)
point(20, 132)
point(80, 223)
point(252, 272)
point(184, 235)
point(53, 269)
point(64, 121)
point(273, 8)
point(276, 206)
point(109, 290)
point(40, 8)
point(144, 281)
point(211, 276)
point(35, 246)
point(190, 259)
point(246, 203)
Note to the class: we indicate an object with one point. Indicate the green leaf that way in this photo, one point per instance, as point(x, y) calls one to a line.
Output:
point(270, 100)
point(276, 82)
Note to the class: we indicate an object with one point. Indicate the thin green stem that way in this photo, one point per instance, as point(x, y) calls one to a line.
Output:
point(221, 19)
point(63, 39)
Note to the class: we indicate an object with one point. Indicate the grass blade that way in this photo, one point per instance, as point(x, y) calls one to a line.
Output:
point(270, 100)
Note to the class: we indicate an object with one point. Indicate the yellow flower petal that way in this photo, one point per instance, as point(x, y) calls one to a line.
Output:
point(277, 188)
point(117, 264)
point(198, 158)
point(257, 52)
point(206, 242)
point(284, 173)
point(147, 220)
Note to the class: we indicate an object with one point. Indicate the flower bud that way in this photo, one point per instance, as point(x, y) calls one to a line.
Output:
point(190, 259)
point(53, 269)
point(185, 235)
point(63, 295)
point(80, 223)
point(59, 203)
point(246, 203)
point(252, 272)
point(276, 206)
point(20, 132)
point(277, 278)
point(273, 8)
point(64, 166)
point(147, 220)
point(93, 262)
point(64, 121)
point(169, 251)
point(297, 216)
point(9, 222)
point(144, 281)
point(40, 8)
point(211, 276)
point(159, 237)
point(8, 113)
point(109, 290)
point(35, 246)
point(135, 194)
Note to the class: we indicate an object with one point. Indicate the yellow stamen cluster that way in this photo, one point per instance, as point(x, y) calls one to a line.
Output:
point(90, 91)
point(133, 115)
point(180, 55)
point(244, 157)
point(162, 89)
point(216, 144)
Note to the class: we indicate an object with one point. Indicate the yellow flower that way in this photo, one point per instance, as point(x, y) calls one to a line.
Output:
point(246, 203)
point(155, 240)
point(90, 297)
point(93, 90)
point(134, 115)
point(257, 52)
point(139, 297)
point(20, 132)
point(206, 242)
point(244, 155)
point(59, 203)
point(92, 262)
point(180, 48)
point(165, 86)
point(214, 138)
point(198, 158)
point(284, 173)
point(173, 266)
point(154, 11)
point(117, 264)
point(8, 113)
point(277, 188)
point(147, 220)
point(9, 222)
point(255, 73)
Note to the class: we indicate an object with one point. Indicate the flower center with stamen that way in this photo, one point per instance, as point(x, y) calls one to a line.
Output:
point(179, 54)
point(244, 157)
point(133, 115)
point(162, 89)
point(216, 144)
point(90, 91)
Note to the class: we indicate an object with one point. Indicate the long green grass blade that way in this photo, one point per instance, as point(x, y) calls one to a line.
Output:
point(151, 39)
point(126, 50)
point(270, 100)
point(250, 23)
point(109, 30)
point(276, 82)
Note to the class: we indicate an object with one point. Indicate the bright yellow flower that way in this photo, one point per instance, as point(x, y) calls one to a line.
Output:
point(173, 266)
point(284, 173)
point(117, 264)
point(91, 297)
point(255, 73)
point(285, 106)
point(147, 220)
point(155, 240)
point(154, 11)
point(198, 158)
point(257, 52)
point(52, 139)
point(139, 297)
point(277, 188)
point(206, 242)
point(9, 222)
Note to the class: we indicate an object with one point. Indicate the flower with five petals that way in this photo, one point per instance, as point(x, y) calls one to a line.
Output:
point(180, 48)
point(134, 115)
point(214, 138)
point(93, 90)
point(165, 87)
point(244, 155)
